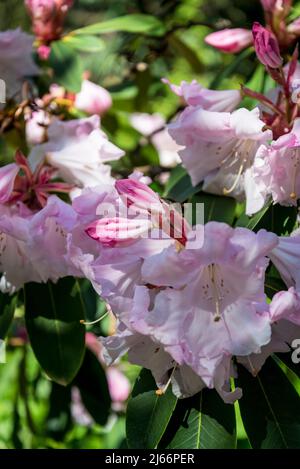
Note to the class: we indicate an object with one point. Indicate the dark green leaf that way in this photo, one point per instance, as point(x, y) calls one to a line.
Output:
point(286, 358)
point(135, 23)
point(270, 408)
point(280, 220)
point(7, 309)
point(92, 384)
point(147, 414)
point(53, 314)
point(203, 421)
point(179, 187)
point(216, 208)
point(66, 65)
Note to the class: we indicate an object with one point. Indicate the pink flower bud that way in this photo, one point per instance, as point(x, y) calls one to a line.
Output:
point(44, 52)
point(8, 175)
point(230, 40)
point(138, 194)
point(48, 17)
point(93, 99)
point(266, 46)
point(112, 232)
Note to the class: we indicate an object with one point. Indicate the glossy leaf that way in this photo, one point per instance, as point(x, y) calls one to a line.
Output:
point(203, 421)
point(53, 314)
point(147, 414)
point(216, 208)
point(291, 359)
point(135, 23)
point(180, 187)
point(270, 408)
point(281, 220)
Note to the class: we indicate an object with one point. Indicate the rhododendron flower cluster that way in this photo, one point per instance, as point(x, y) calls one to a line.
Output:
point(190, 299)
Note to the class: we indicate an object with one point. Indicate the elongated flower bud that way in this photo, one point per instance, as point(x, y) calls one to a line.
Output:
point(118, 231)
point(266, 46)
point(230, 40)
point(138, 194)
point(8, 175)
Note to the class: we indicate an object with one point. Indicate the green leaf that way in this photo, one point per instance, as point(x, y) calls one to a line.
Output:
point(184, 50)
point(253, 223)
point(147, 414)
point(203, 421)
point(179, 187)
point(286, 359)
point(84, 43)
point(270, 408)
point(176, 174)
point(67, 66)
point(92, 384)
point(216, 208)
point(135, 23)
point(281, 220)
point(7, 309)
point(53, 314)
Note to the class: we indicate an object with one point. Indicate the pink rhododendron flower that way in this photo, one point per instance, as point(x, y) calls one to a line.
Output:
point(283, 334)
point(16, 62)
point(221, 294)
point(275, 172)
point(286, 305)
point(93, 99)
point(33, 244)
point(266, 46)
point(212, 100)
point(209, 305)
point(149, 354)
point(230, 40)
point(79, 151)
point(286, 258)
point(219, 147)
